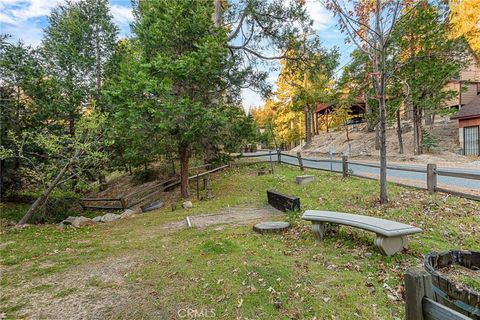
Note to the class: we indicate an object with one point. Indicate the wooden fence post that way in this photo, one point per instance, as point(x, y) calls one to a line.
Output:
point(123, 202)
point(300, 162)
point(271, 163)
point(345, 166)
point(418, 284)
point(198, 191)
point(279, 155)
point(431, 177)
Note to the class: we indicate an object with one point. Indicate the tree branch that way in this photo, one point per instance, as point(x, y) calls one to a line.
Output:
point(239, 26)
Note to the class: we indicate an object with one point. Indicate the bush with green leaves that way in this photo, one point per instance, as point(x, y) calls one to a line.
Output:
point(429, 142)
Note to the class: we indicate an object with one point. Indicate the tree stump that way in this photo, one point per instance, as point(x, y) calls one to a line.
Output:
point(271, 227)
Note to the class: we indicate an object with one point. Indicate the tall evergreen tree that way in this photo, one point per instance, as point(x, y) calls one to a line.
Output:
point(79, 40)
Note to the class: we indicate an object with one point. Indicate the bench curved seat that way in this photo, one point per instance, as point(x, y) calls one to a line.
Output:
point(391, 235)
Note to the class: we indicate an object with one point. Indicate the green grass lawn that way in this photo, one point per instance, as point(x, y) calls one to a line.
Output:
point(138, 269)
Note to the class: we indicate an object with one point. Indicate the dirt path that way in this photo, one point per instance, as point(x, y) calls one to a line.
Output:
point(93, 291)
point(102, 290)
point(229, 216)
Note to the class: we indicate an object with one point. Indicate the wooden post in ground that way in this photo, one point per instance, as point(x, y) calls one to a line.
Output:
point(431, 177)
point(198, 189)
point(345, 166)
point(300, 162)
point(205, 182)
point(123, 202)
point(279, 155)
point(418, 284)
point(271, 163)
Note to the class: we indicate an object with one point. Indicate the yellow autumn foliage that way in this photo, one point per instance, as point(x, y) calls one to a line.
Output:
point(465, 21)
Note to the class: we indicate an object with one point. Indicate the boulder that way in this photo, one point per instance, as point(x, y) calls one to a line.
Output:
point(109, 217)
point(187, 205)
point(97, 219)
point(127, 213)
point(77, 221)
point(152, 206)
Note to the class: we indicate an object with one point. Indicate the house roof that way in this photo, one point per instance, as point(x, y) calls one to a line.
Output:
point(470, 110)
point(323, 106)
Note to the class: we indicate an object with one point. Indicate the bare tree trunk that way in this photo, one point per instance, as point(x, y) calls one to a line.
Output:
point(308, 130)
point(432, 123)
point(71, 125)
point(327, 114)
point(399, 133)
point(381, 102)
point(417, 131)
point(184, 151)
point(346, 130)
point(377, 137)
point(368, 110)
point(2, 175)
point(217, 13)
point(102, 181)
point(41, 199)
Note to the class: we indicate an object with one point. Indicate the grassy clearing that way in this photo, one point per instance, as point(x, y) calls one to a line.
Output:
point(234, 272)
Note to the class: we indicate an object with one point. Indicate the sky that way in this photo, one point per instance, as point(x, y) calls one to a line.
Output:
point(26, 19)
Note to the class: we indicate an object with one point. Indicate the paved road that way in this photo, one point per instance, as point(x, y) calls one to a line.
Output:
point(418, 177)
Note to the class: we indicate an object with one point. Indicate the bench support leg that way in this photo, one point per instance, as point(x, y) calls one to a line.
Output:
point(405, 242)
point(390, 245)
point(319, 229)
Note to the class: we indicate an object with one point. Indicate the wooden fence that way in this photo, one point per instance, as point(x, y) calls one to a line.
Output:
point(132, 199)
point(344, 166)
point(121, 200)
point(420, 301)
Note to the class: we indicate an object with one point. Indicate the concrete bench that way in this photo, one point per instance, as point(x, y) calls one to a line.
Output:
point(304, 179)
point(391, 235)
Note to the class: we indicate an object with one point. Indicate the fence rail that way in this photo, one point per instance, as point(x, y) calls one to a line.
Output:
point(431, 171)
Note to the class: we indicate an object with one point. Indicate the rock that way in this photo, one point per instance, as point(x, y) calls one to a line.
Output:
point(22, 226)
point(304, 179)
point(277, 303)
point(97, 219)
point(152, 206)
point(187, 205)
point(127, 213)
point(209, 193)
point(60, 226)
point(77, 221)
point(109, 217)
point(174, 206)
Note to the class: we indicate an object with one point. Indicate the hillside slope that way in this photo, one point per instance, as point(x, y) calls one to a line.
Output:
point(445, 131)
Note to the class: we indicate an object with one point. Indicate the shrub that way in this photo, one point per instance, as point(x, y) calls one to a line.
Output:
point(429, 142)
